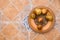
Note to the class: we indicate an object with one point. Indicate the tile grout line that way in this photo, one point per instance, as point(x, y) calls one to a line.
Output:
point(13, 5)
point(3, 13)
point(34, 37)
point(29, 35)
point(44, 37)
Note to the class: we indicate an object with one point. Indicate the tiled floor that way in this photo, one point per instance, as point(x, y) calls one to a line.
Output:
point(13, 13)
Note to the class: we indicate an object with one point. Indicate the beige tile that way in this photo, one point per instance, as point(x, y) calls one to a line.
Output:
point(17, 19)
point(4, 18)
point(3, 3)
point(32, 34)
point(10, 11)
point(23, 33)
point(2, 37)
point(10, 31)
point(21, 36)
point(57, 38)
point(39, 37)
point(2, 26)
point(20, 27)
point(51, 34)
point(40, 2)
point(57, 3)
point(20, 4)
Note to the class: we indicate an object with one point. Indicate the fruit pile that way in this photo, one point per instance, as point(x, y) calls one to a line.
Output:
point(41, 17)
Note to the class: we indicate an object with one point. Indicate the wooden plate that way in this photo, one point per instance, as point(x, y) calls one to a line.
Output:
point(41, 19)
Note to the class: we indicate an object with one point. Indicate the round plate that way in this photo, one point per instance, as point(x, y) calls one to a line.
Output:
point(41, 19)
